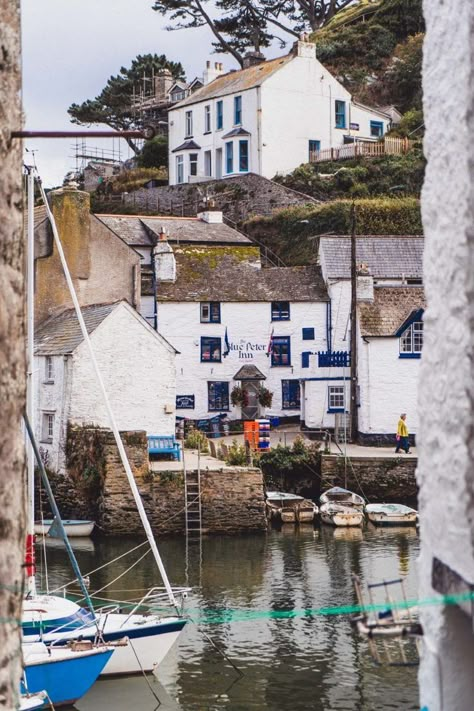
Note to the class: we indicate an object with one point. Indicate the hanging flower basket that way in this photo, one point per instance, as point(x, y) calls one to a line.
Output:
point(265, 397)
point(239, 397)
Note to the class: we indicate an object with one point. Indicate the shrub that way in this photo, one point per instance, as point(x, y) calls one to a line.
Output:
point(154, 153)
point(236, 454)
point(197, 440)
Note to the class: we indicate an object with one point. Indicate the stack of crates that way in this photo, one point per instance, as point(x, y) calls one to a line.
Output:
point(251, 434)
point(263, 434)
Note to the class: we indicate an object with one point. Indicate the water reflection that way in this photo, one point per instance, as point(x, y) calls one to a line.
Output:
point(307, 662)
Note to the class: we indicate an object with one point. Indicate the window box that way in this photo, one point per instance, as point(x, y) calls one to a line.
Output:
point(281, 351)
point(280, 310)
point(210, 312)
point(218, 396)
point(211, 350)
point(291, 398)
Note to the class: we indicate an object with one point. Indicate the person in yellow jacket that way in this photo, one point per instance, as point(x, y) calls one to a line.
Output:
point(403, 439)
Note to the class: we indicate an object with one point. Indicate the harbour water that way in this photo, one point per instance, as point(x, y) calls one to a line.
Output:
point(253, 660)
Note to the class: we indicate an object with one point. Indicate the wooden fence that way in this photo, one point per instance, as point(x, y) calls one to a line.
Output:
point(386, 147)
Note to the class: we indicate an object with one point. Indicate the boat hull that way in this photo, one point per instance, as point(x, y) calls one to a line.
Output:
point(381, 519)
point(337, 515)
point(65, 678)
point(150, 639)
point(74, 529)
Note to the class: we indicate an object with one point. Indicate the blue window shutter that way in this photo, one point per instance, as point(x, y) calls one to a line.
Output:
point(305, 359)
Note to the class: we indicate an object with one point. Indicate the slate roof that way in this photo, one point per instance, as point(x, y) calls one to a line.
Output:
point(142, 231)
point(60, 335)
point(387, 256)
point(236, 81)
point(249, 372)
point(222, 275)
point(392, 306)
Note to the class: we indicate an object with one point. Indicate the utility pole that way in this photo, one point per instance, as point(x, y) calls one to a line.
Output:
point(353, 406)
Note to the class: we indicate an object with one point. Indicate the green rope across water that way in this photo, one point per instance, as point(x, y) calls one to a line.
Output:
point(225, 616)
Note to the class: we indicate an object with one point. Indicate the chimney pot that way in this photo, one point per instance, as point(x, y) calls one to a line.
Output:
point(208, 64)
point(216, 65)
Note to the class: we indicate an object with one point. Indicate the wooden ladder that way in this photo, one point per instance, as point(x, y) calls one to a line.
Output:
point(192, 493)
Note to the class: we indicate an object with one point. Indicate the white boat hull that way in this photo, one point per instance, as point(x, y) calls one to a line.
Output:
point(353, 518)
point(151, 637)
point(381, 519)
point(74, 529)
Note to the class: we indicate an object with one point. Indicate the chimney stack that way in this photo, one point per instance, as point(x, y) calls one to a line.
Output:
point(163, 237)
point(251, 59)
point(212, 72)
point(304, 48)
point(163, 83)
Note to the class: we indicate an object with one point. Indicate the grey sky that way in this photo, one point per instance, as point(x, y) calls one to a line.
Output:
point(71, 47)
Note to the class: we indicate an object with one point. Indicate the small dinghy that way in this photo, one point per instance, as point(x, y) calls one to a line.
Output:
point(339, 515)
point(74, 529)
point(65, 672)
point(289, 508)
point(338, 495)
point(29, 702)
point(391, 514)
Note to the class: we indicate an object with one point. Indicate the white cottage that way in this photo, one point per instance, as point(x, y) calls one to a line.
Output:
point(390, 304)
point(235, 324)
point(267, 118)
point(136, 362)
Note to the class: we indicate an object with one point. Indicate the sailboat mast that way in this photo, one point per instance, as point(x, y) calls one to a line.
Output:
point(113, 424)
point(30, 393)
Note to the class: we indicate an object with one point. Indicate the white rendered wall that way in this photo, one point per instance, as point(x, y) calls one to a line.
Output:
point(249, 327)
point(215, 139)
point(388, 386)
point(139, 373)
point(52, 397)
point(446, 402)
point(293, 106)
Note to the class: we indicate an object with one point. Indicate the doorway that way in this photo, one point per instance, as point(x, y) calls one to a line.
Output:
point(251, 411)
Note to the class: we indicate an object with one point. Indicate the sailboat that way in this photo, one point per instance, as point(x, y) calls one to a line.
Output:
point(52, 619)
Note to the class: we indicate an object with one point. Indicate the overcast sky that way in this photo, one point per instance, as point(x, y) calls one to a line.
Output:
point(71, 47)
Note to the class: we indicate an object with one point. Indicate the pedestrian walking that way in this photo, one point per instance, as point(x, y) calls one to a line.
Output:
point(402, 437)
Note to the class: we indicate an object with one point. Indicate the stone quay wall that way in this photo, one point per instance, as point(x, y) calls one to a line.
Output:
point(232, 498)
point(239, 198)
point(381, 479)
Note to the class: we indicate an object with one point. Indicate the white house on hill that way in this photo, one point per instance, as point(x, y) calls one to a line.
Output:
point(137, 365)
point(390, 306)
point(266, 118)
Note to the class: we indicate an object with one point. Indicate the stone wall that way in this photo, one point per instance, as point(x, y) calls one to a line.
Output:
point(380, 479)
point(239, 198)
point(232, 499)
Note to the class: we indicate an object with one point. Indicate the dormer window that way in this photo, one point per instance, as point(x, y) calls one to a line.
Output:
point(411, 341)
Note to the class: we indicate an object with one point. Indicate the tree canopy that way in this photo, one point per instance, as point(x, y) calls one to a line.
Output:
point(113, 107)
point(239, 25)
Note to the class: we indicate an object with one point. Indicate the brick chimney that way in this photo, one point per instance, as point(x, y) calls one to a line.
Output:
point(212, 72)
point(251, 59)
point(71, 210)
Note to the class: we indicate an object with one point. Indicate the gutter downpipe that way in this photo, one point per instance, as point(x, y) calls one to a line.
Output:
point(259, 129)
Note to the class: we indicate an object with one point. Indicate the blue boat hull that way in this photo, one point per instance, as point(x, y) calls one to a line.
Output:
point(66, 680)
